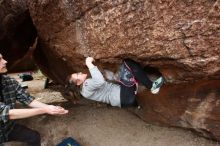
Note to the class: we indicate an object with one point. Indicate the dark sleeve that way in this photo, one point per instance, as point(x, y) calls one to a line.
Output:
point(4, 112)
point(22, 96)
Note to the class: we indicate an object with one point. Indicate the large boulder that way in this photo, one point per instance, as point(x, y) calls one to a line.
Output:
point(178, 38)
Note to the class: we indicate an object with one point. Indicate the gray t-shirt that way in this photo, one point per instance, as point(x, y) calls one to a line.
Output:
point(96, 88)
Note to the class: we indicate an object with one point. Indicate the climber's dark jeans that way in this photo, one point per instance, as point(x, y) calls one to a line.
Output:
point(23, 134)
point(127, 94)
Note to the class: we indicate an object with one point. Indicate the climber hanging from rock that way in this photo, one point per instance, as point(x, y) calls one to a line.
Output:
point(122, 94)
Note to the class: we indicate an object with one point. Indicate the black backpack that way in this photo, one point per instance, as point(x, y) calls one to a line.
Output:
point(26, 77)
point(126, 76)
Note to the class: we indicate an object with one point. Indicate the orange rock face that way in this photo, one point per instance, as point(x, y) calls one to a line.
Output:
point(181, 39)
point(195, 106)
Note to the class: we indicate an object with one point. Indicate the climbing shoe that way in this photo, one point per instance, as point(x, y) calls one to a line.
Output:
point(156, 85)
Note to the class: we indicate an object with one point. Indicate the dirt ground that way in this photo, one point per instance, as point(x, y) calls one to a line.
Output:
point(93, 124)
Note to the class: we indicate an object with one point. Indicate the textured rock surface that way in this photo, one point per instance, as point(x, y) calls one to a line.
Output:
point(181, 38)
point(195, 106)
point(17, 34)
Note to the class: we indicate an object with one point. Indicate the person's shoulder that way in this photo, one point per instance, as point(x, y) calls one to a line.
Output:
point(8, 79)
point(87, 83)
